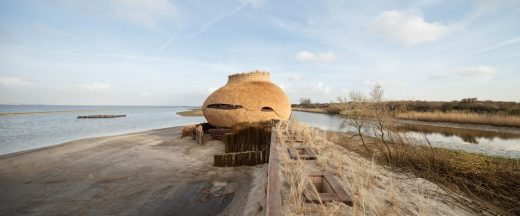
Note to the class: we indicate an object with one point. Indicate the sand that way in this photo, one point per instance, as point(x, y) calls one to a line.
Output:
point(147, 173)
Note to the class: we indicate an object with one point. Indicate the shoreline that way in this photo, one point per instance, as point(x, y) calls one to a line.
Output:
point(101, 135)
point(71, 142)
point(147, 172)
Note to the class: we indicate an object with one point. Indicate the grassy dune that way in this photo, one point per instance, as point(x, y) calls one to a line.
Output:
point(463, 118)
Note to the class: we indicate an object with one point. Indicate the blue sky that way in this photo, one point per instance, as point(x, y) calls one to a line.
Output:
point(160, 52)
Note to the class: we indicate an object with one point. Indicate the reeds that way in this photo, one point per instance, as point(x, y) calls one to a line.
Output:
point(463, 118)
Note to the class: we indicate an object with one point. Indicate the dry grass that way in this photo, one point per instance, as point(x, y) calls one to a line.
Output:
point(374, 190)
point(482, 183)
point(463, 118)
point(492, 181)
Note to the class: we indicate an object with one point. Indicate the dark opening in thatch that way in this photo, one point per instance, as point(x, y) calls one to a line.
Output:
point(267, 109)
point(224, 106)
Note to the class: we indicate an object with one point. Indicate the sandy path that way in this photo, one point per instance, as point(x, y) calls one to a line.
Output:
point(147, 173)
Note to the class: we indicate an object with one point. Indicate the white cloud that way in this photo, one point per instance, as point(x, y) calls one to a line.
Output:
point(305, 56)
point(13, 81)
point(321, 88)
point(408, 27)
point(95, 86)
point(321, 57)
point(143, 12)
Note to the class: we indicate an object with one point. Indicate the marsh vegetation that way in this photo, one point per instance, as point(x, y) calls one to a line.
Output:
point(465, 111)
point(477, 182)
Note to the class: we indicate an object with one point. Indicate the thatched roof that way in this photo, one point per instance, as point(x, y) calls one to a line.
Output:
point(247, 97)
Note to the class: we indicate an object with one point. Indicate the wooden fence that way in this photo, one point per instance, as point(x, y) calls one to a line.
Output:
point(249, 158)
point(247, 139)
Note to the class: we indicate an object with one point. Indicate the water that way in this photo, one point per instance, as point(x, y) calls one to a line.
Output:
point(503, 142)
point(24, 127)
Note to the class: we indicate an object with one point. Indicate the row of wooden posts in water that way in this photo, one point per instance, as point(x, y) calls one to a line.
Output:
point(101, 116)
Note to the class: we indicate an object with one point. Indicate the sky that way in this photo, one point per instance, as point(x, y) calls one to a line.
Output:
point(172, 52)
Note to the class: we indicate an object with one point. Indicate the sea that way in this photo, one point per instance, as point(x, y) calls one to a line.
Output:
point(24, 127)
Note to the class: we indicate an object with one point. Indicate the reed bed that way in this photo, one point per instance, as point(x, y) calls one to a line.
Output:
point(312, 110)
point(463, 118)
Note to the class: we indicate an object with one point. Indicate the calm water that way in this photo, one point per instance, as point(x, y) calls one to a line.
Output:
point(506, 144)
point(24, 127)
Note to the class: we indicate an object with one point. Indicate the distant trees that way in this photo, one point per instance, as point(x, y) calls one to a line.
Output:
point(468, 100)
point(305, 101)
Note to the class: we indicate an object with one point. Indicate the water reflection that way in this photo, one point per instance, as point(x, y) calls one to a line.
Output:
point(473, 140)
point(467, 135)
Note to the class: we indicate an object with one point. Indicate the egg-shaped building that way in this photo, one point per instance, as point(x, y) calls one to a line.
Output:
point(246, 97)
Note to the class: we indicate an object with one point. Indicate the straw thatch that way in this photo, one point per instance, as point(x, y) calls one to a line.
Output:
point(247, 97)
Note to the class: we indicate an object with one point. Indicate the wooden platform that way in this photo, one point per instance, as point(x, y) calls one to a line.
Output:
point(322, 187)
point(303, 153)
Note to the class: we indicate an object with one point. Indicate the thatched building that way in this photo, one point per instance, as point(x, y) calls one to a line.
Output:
point(247, 97)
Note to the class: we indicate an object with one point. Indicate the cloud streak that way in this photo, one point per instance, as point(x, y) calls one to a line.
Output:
point(478, 71)
point(95, 86)
point(13, 81)
point(219, 17)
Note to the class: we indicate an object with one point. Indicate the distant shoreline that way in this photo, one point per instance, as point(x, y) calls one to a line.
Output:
point(456, 117)
point(191, 113)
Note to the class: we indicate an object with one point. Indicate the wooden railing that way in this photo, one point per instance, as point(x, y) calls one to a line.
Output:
point(273, 197)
